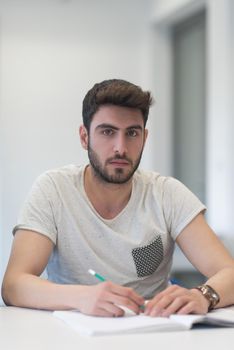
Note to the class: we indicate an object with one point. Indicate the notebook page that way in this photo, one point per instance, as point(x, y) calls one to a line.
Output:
point(219, 317)
point(91, 325)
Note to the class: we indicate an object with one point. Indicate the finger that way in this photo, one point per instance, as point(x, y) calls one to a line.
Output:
point(158, 303)
point(127, 293)
point(120, 295)
point(124, 302)
point(101, 313)
point(175, 306)
point(191, 307)
point(171, 290)
point(158, 308)
point(113, 310)
point(106, 309)
point(162, 301)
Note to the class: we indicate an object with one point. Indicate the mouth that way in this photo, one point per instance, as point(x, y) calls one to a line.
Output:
point(119, 162)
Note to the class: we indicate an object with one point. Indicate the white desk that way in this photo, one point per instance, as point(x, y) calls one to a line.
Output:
point(24, 329)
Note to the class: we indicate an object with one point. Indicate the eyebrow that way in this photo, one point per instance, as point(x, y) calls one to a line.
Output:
point(105, 125)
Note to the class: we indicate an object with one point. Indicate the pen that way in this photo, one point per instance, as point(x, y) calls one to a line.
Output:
point(102, 279)
point(99, 277)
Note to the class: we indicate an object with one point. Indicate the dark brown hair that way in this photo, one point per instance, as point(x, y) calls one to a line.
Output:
point(115, 92)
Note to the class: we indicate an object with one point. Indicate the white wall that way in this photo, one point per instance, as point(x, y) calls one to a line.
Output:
point(220, 113)
point(51, 53)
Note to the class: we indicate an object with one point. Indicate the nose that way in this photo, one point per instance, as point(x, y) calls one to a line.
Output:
point(120, 145)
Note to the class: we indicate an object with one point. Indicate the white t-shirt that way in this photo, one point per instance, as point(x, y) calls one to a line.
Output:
point(134, 249)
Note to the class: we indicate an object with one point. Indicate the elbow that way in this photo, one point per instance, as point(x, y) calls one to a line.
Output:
point(4, 295)
point(7, 292)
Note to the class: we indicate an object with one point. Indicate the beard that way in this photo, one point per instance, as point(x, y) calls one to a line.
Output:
point(119, 176)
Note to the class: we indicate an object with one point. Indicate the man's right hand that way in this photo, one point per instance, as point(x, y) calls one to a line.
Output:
point(107, 298)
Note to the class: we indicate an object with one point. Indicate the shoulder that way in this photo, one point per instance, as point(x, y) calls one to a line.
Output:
point(66, 173)
point(53, 182)
point(165, 188)
point(156, 180)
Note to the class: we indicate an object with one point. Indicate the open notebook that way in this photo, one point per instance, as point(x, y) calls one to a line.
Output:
point(90, 325)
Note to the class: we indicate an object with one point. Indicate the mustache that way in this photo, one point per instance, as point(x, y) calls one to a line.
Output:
point(119, 157)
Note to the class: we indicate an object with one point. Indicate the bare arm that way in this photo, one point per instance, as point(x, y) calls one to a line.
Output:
point(23, 286)
point(209, 256)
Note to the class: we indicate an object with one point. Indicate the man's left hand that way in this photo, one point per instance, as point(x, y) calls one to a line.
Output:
point(176, 299)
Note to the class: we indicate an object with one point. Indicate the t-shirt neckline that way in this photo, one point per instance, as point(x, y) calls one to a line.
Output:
point(127, 206)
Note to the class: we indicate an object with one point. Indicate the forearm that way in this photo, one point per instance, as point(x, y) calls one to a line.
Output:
point(34, 292)
point(223, 284)
point(103, 299)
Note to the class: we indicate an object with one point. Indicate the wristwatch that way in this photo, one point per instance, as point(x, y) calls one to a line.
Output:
point(210, 294)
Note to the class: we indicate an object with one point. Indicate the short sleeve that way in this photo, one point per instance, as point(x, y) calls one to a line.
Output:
point(39, 210)
point(180, 206)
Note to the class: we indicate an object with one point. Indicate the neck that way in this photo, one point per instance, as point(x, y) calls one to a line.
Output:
point(108, 199)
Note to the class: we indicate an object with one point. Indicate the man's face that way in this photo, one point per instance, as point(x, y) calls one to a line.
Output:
point(115, 143)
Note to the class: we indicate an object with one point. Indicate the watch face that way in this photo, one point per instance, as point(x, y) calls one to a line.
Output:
point(204, 289)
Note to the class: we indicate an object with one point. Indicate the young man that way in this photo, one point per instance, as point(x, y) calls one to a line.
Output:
point(115, 219)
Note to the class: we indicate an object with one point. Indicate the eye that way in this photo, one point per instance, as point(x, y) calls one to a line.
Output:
point(108, 132)
point(132, 133)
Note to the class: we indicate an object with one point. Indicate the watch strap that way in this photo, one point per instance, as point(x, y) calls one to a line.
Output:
point(210, 294)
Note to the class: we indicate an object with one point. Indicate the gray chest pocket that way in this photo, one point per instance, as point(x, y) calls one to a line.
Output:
point(148, 258)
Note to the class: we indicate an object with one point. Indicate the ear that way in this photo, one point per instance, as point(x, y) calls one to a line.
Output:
point(83, 136)
point(145, 136)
